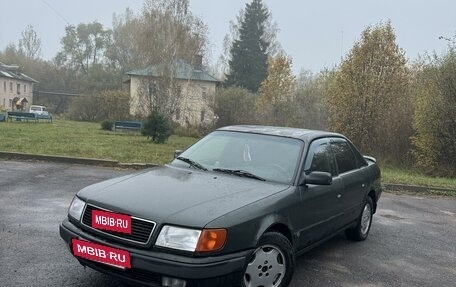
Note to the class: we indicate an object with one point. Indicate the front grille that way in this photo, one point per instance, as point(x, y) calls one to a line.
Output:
point(141, 229)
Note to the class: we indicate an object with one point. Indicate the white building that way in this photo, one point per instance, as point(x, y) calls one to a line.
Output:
point(16, 89)
point(196, 90)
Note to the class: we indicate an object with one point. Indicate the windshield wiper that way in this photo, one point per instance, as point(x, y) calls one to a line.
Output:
point(239, 172)
point(191, 162)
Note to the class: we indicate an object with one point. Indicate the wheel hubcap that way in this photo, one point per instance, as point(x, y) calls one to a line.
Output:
point(266, 269)
point(366, 219)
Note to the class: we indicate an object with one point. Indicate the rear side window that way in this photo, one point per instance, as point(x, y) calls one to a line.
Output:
point(345, 157)
point(360, 161)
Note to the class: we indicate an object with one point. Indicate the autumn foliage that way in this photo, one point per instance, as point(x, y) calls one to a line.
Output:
point(435, 114)
point(369, 97)
point(276, 94)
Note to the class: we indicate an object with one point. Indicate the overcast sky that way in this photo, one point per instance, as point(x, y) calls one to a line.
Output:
point(314, 33)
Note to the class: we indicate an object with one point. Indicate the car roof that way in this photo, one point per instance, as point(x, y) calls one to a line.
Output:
point(302, 134)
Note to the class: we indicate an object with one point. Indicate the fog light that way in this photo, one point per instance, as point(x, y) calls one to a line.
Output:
point(173, 282)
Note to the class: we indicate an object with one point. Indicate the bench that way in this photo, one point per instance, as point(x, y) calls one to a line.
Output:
point(127, 125)
point(20, 116)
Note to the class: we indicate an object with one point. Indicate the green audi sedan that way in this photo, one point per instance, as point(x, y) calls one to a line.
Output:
point(234, 209)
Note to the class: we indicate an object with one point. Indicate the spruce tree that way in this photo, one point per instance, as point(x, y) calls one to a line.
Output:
point(249, 58)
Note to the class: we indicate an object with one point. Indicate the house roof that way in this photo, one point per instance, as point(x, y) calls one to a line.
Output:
point(183, 70)
point(14, 72)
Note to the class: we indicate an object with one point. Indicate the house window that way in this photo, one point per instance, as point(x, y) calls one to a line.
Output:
point(204, 93)
point(4, 103)
point(18, 89)
point(152, 89)
point(4, 86)
point(10, 103)
point(179, 91)
point(11, 87)
point(178, 114)
point(25, 88)
point(203, 114)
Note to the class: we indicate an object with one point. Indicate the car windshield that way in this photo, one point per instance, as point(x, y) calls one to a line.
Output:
point(272, 158)
point(35, 108)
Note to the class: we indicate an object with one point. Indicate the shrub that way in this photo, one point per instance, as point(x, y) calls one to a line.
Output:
point(234, 106)
point(157, 127)
point(113, 105)
point(106, 125)
point(188, 131)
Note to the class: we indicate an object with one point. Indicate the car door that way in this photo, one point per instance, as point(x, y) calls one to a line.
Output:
point(320, 208)
point(353, 176)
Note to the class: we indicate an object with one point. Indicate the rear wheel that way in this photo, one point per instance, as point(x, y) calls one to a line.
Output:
point(364, 222)
point(271, 264)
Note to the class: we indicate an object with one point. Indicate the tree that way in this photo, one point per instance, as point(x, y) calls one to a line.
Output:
point(83, 61)
point(12, 55)
point(233, 106)
point(162, 34)
point(157, 127)
point(369, 98)
point(168, 35)
point(125, 52)
point(39, 69)
point(270, 35)
point(169, 32)
point(83, 46)
point(30, 44)
point(277, 92)
point(249, 53)
point(435, 113)
point(310, 109)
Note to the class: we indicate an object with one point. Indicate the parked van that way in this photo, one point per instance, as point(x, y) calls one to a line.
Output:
point(39, 110)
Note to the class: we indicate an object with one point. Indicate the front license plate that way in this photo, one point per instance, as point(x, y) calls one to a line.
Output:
point(100, 253)
point(111, 221)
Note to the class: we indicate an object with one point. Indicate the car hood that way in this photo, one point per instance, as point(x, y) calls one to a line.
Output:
point(178, 195)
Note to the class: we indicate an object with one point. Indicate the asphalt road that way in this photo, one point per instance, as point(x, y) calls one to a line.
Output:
point(412, 240)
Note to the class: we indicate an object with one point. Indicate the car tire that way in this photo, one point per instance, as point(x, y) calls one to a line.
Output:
point(363, 223)
point(271, 264)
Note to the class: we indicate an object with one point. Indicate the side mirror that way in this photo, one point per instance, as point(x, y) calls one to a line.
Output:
point(177, 153)
point(318, 178)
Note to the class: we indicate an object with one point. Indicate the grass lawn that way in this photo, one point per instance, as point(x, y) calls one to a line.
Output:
point(83, 139)
point(412, 177)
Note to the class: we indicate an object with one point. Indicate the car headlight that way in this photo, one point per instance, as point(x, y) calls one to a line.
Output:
point(188, 239)
point(178, 238)
point(76, 208)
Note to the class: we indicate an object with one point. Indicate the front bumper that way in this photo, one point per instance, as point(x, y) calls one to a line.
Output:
point(148, 266)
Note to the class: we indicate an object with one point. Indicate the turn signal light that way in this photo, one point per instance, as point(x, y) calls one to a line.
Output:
point(211, 240)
